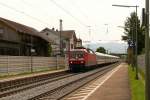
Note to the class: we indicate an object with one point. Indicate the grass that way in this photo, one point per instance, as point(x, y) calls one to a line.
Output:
point(142, 73)
point(137, 86)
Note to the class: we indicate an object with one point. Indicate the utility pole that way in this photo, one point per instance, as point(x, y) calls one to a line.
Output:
point(31, 48)
point(147, 68)
point(136, 47)
point(89, 36)
point(60, 45)
point(106, 28)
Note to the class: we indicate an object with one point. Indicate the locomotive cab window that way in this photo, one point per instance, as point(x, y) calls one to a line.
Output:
point(91, 52)
point(76, 54)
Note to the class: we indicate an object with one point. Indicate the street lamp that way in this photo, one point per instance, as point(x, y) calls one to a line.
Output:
point(136, 36)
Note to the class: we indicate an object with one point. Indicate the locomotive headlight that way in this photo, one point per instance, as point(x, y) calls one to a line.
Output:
point(82, 62)
point(71, 62)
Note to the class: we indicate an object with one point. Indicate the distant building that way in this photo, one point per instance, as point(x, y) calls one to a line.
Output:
point(52, 35)
point(71, 38)
point(20, 40)
point(79, 43)
point(68, 40)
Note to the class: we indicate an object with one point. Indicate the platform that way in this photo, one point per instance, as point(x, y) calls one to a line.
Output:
point(112, 86)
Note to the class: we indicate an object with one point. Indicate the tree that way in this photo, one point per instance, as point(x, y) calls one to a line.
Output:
point(49, 47)
point(101, 50)
point(130, 30)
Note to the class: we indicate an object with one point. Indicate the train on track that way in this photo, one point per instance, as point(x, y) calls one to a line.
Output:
point(83, 58)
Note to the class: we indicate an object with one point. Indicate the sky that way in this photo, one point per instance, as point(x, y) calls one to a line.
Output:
point(92, 20)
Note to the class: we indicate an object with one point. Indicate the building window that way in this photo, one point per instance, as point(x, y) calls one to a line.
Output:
point(1, 31)
point(64, 45)
point(47, 34)
point(71, 46)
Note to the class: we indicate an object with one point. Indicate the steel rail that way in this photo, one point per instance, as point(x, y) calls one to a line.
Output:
point(62, 91)
point(10, 84)
point(34, 84)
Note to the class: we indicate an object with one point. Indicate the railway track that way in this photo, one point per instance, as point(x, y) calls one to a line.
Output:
point(9, 84)
point(56, 87)
point(10, 87)
point(62, 91)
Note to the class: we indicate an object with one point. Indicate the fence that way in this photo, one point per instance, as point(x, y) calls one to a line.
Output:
point(141, 62)
point(23, 64)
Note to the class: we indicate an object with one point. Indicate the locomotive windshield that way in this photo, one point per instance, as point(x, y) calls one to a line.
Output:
point(76, 54)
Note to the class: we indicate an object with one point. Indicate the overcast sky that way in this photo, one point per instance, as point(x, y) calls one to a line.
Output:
point(76, 15)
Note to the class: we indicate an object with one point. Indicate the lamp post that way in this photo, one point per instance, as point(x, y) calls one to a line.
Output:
point(136, 39)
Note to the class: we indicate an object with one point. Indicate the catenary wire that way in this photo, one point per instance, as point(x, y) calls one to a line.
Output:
point(22, 12)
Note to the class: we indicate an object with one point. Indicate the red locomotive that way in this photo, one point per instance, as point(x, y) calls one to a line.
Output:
point(81, 59)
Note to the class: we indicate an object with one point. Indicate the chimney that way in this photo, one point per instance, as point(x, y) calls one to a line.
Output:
point(53, 29)
point(56, 30)
point(60, 25)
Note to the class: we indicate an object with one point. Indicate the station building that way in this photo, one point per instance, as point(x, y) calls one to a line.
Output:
point(21, 40)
